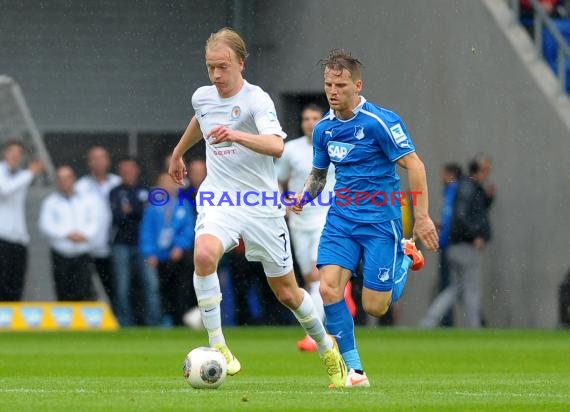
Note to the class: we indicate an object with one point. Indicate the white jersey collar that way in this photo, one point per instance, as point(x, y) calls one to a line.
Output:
point(355, 110)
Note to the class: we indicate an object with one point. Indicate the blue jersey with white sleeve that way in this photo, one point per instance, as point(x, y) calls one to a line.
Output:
point(364, 150)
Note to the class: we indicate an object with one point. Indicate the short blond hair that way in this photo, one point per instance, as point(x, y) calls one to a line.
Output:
point(230, 38)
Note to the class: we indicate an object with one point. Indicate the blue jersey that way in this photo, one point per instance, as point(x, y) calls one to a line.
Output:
point(364, 151)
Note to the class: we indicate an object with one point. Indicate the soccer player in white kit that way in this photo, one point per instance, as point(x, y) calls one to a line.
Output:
point(239, 122)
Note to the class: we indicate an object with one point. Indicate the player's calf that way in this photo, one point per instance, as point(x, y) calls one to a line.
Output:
point(378, 309)
point(291, 297)
point(376, 303)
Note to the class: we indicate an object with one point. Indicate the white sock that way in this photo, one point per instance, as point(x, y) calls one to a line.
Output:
point(313, 325)
point(317, 299)
point(209, 297)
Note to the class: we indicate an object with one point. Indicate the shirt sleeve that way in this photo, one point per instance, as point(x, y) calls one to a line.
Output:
point(283, 166)
point(321, 159)
point(394, 137)
point(265, 117)
point(196, 102)
point(10, 185)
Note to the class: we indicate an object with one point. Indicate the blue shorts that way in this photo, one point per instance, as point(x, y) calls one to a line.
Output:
point(378, 245)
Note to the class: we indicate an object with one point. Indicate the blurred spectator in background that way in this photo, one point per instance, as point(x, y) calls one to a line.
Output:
point(484, 163)
point(99, 182)
point(450, 176)
point(196, 174)
point(14, 237)
point(166, 242)
point(470, 232)
point(69, 220)
point(554, 8)
point(127, 205)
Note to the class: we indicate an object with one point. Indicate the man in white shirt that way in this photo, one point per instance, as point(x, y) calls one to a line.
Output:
point(69, 219)
point(100, 182)
point(239, 122)
point(14, 237)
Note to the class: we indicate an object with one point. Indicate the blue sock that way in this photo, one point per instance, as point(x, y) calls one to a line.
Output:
point(400, 281)
point(341, 325)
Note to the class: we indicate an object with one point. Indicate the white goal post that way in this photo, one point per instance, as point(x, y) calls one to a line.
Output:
point(16, 122)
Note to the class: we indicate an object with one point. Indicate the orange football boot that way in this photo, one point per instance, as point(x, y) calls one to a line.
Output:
point(414, 253)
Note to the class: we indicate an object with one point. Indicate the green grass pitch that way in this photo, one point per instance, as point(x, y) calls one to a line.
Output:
point(409, 370)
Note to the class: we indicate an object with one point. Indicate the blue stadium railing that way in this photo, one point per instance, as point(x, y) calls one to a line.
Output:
point(551, 37)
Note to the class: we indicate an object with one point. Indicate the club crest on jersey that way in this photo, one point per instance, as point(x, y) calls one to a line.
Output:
point(338, 150)
point(383, 274)
point(359, 132)
point(236, 113)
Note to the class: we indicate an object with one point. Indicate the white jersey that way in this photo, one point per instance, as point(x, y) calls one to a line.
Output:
point(294, 167)
point(238, 176)
point(88, 184)
point(61, 216)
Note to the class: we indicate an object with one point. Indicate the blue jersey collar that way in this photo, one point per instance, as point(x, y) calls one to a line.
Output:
point(355, 110)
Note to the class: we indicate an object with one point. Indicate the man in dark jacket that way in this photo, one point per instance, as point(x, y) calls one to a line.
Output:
point(470, 232)
point(127, 205)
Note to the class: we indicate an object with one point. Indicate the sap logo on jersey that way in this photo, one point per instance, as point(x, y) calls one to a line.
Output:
point(338, 150)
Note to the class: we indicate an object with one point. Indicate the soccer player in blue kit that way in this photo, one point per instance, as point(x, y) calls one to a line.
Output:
point(365, 142)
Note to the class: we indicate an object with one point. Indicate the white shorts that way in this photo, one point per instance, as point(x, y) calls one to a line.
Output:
point(306, 232)
point(266, 239)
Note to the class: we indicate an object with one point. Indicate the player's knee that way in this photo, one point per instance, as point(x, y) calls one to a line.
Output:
point(287, 297)
point(378, 308)
point(330, 293)
point(205, 259)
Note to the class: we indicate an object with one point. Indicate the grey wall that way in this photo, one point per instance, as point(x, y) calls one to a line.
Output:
point(108, 65)
point(448, 69)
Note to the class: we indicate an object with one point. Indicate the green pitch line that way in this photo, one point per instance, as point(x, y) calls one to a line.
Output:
point(409, 370)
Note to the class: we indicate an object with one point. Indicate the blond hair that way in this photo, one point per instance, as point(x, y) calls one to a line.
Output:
point(231, 39)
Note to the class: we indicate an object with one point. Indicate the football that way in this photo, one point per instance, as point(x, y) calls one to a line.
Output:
point(205, 368)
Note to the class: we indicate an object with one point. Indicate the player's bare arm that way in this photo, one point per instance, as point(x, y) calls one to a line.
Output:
point(191, 136)
point(266, 144)
point(313, 186)
point(424, 228)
